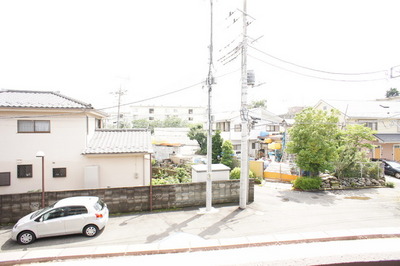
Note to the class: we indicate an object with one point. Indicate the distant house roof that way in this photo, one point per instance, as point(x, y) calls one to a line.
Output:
point(366, 109)
point(39, 99)
point(119, 141)
point(388, 138)
point(258, 113)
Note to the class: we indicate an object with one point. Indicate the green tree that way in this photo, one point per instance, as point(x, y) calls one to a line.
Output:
point(197, 133)
point(140, 123)
point(217, 147)
point(392, 93)
point(260, 103)
point(313, 139)
point(174, 122)
point(352, 145)
point(227, 154)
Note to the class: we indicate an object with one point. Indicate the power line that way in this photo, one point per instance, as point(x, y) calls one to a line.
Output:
point(100, 109)
point(313, 76)
point(168, 93)
point(317, 70)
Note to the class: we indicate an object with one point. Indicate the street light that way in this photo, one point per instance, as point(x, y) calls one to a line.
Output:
point(41, 154)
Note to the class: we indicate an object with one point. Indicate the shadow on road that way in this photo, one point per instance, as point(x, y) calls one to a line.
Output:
point(172, 228)
point(216, 227)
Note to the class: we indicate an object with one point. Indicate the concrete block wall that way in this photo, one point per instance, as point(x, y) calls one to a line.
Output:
point(129, 199)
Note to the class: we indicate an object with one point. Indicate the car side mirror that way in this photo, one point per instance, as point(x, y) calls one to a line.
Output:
point(39, 219)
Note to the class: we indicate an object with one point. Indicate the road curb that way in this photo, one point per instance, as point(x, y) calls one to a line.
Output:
point(193, 249)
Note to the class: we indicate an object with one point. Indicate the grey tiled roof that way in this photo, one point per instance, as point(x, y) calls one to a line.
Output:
point(121, 141)
point(366, 109)
point(38, 99)
point(388, 138)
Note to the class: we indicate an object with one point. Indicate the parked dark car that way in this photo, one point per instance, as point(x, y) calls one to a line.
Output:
point(391, 168)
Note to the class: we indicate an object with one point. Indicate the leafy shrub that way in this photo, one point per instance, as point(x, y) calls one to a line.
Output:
point(166, 176)
point(390, 184)
point(165, 181)
point(307, 183)
point(235, 173)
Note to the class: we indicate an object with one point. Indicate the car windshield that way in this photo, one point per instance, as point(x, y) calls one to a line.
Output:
point(394, 164)
point(41, 211)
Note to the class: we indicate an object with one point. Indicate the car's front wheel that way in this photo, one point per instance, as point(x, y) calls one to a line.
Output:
point(26, 237)
point(90, 230)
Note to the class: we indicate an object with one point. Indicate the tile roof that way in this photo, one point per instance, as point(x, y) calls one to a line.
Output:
point(38, 99)
point(119, 141)
point(366, 109)
point(388, 138)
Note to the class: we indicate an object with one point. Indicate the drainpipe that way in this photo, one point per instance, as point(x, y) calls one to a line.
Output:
point(151, 185)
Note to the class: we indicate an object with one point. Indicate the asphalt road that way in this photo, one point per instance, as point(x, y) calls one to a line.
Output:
point(277, 209)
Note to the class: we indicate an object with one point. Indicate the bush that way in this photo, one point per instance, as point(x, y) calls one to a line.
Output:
point(390, 184)
point(235, 173)
point(307, 183)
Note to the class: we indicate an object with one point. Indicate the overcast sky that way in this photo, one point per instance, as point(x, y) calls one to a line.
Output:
point(88, 49)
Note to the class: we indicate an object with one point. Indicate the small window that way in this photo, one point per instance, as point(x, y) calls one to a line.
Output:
point(99, 205)
point(238, 128)
point(98, 123)
point(24, 170)
point(5, 179)
point(53, 214)
point(190, 111)
point(76, 210)
point(33, 126)
point(151, 111)
point(59, 172)
point(272, 128)
point(190, 118)
point(151, 118)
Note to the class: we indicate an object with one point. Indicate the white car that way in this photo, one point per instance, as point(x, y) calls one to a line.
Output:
point(85, 215)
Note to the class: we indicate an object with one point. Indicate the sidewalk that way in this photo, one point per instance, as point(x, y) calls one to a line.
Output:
point(183, 242)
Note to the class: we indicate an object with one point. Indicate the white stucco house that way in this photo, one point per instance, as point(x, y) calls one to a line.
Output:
point(229, 123)
point(78, 153)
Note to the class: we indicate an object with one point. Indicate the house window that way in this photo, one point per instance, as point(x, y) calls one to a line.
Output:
point(151, 118)
point(24, 170)
point(190, 111)
point(190, 118)
point(98, 123)
point(33, 126)
point(223, 126)
point(272, 128)
point(238, 128)
point(151, 111)
point(371, 125)
point(59, 172)
point(5, 179)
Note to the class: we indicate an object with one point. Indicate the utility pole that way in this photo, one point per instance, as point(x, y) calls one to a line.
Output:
point(210, 82)
point(120, 93)
point(244, 168)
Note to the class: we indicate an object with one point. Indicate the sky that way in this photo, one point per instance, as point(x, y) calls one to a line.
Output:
point(300, 51)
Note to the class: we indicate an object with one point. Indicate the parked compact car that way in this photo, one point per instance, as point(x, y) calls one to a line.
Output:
point(85, 215)
point(392, 168)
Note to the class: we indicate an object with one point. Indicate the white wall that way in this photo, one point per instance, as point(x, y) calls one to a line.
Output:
point(62, 147)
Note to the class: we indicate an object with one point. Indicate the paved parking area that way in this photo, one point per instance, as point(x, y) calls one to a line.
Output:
point(278, 214)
